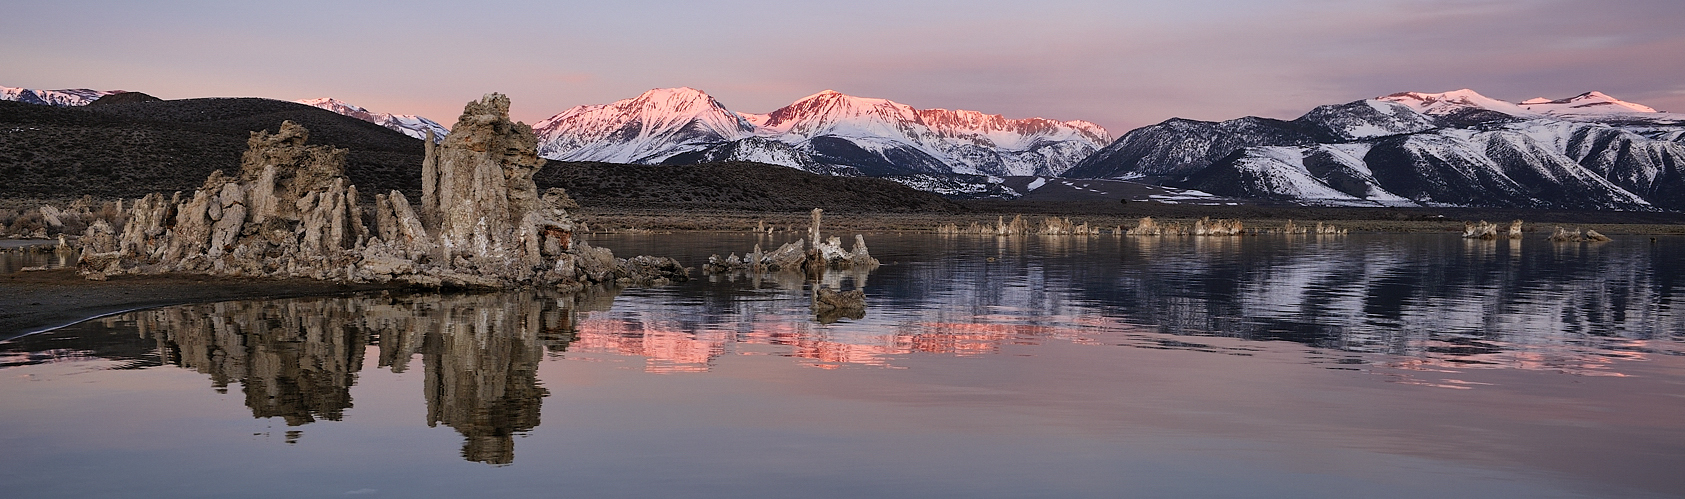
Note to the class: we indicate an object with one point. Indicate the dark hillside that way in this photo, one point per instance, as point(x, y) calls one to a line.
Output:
point(733, 186)
point(131, 149)
point(123, 98)
point(240, 116)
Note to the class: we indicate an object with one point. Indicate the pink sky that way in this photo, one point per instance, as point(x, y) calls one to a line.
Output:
point(1119, 64)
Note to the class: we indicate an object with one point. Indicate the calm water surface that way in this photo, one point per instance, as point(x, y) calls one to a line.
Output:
point(14, 255)
point(1360, 366)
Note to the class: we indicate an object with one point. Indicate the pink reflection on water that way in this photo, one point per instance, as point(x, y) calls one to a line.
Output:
point(671, 348)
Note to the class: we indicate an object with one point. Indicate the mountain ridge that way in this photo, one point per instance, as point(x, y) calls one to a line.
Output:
point(827, 132)
point(1456, 148)
point(407, 124)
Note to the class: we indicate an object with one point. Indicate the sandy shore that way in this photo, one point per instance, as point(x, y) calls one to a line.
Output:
point(39, 300)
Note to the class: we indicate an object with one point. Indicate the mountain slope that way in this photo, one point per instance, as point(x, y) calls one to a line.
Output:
point(129, 150)
point(828, 132)
point(1590, 106)
point(61, 97)
point(407, 124)
point(1178, 147)
point(648, 128)
point(1455, 148)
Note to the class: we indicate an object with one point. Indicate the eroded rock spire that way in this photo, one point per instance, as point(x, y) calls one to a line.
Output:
point(292, 213)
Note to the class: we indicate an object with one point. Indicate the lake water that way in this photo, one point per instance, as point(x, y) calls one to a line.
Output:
point(1356, 366)
point(18, 254)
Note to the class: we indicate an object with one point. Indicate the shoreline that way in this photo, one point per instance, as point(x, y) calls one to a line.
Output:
point(37, 301)
point(43, 300)
point(1109, 217)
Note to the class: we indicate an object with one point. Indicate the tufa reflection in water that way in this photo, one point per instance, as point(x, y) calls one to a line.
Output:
point(1383, 305)
point(297, 359)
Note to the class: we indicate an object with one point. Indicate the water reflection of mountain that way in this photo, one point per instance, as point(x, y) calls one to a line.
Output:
point(1428, 299)
point(1418, 299)
point(297, 359)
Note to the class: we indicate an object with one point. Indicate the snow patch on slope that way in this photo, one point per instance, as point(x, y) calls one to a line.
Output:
point(1283, 172)
point(1589, 106)
point(407, 124)
point(63, 97)
point(868, 134)
point(1445, 103)
point(648, 128)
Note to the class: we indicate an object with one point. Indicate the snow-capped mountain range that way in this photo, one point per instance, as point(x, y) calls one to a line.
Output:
point(1458, 148)
point(61, 97)
point(1589, 106)
point(827, 132)
point(1455, 148)
point(408, 124)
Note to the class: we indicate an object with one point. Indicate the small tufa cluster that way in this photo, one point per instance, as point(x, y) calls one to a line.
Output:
point(1483, 230)
point(1202, 227)
point(1320, 229)
point(1562, 235)
point(1222, 227)
point(1054, 226)
point(46, 221)
point(1480, 230)
point(1208, 227)
point(1050, 226)
point(1149, 227)
point(291, 213)
point(828, 254)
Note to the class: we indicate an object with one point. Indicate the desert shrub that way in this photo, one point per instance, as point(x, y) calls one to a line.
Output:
point(27, 222)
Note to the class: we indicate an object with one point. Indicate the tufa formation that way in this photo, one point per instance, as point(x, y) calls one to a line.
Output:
point(291, 213)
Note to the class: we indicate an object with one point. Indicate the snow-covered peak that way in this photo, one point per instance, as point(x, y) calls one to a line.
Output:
point(335, 105)
point(407, 124)
point(1092, 128)
point(1589, 106)
point(1010, 134)
point(682, 103)
point(61, 97)
point(830, 129)
point(1444, 103)
point(658, 109)
point(1589, 103)
point(648, 128)
point(833, 113)
point(1366, 119)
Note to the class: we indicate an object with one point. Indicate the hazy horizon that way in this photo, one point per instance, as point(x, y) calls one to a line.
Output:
point(1121, 65)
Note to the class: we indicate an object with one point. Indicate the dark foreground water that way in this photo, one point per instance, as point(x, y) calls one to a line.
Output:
point(1362, 366)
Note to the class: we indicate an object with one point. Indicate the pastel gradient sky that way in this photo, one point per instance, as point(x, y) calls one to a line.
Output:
point(1121, 64)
